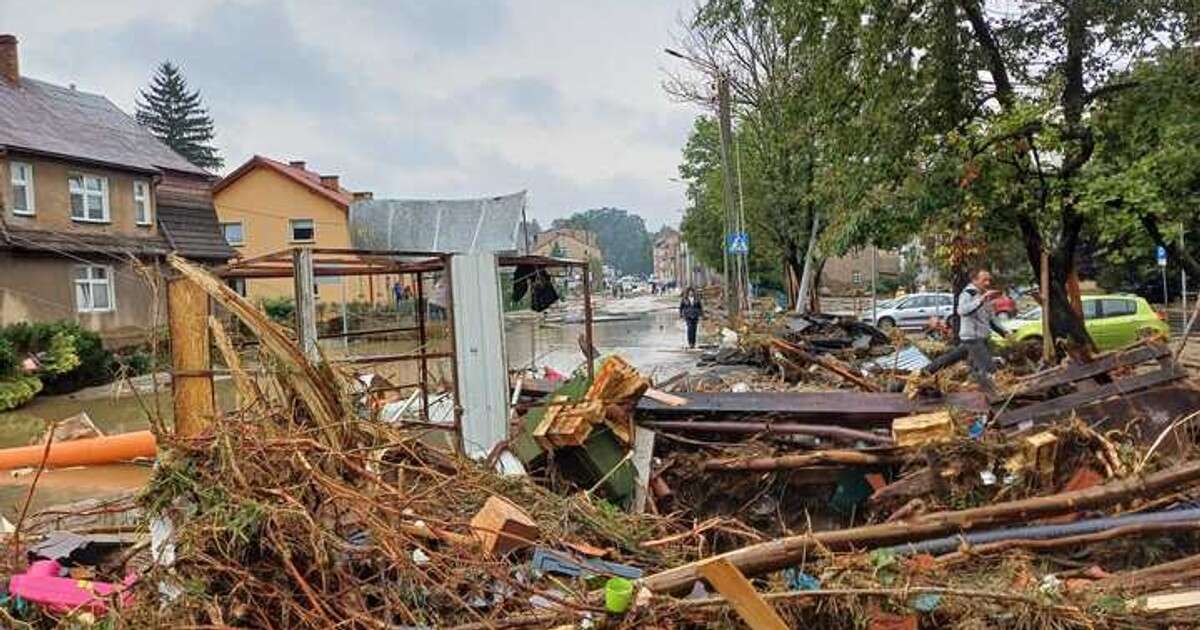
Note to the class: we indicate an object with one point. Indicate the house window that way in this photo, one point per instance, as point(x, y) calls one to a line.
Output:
point(238, 285)
point(141, 202)
point(302, 229)
point(21, 176)
point(89, 198)
point(856, 277)
point(233, 233)
point(93, 289)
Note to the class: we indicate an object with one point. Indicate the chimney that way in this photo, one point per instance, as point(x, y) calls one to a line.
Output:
point(330, 182)
point(297, 164)
point(10, 67)
point(364, 196)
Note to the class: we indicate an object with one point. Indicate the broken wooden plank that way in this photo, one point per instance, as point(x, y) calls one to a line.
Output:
point(643, 454)
point(1066, 404)
point(665, 398)
point(768, 428)
point(1168, 601)
point(501, 526)
point(856, 409)
point(784, 462)
point(738, 591)
point(1067, 374)
point(828, 363)
point(925, 428)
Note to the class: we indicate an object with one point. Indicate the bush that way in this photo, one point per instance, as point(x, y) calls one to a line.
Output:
point(9, 359)
point(280, 309)
point(18, 390)
point(136, 363)
point(94, 362)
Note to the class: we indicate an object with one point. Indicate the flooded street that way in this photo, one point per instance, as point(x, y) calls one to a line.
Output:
point(646, 330)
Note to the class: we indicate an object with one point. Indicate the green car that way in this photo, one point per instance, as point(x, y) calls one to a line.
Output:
point(1113, 321)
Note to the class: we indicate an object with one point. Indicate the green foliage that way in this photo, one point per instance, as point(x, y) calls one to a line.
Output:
point(72, 357)
point(60, 356)
point(177, 116)
point(18, 389)
point(9, 359)
point(280, 309)
point(621, 234)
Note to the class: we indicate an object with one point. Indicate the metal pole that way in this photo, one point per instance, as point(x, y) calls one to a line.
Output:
point(733, 280)
point(874, 280)
point(1166, 298)
point(448, 262)
point(1183, 280)
point(421, 341)
point(345, 318)
point(587, 319)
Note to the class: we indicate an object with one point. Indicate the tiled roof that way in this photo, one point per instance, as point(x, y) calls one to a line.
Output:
point(44, 118)
point(193, 232)
point(304, 177)
point(62, 241)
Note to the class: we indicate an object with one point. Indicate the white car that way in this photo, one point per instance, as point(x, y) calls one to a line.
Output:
point(911, 311)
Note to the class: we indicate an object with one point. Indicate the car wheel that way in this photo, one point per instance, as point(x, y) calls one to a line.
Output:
point(886, 324)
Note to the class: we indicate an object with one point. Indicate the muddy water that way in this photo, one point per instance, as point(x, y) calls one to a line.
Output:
point(647, 332)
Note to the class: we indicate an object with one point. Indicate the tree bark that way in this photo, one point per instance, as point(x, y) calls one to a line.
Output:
point(806, 276)
point(783, 552)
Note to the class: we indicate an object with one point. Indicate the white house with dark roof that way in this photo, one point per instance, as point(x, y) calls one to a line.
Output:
point(87, 192)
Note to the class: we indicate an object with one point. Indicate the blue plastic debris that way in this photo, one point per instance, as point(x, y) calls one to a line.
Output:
point(800, 581)
point(925, 602)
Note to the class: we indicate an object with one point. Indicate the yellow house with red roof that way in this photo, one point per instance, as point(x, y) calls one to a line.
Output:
point(266, 205)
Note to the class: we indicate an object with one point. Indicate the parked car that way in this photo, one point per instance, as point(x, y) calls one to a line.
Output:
point(912, 312)
point(1112, 321)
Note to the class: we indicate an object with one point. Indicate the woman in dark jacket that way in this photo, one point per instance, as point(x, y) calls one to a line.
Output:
point(691, 310)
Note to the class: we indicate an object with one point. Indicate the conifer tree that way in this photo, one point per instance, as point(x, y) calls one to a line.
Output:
point(177, 116)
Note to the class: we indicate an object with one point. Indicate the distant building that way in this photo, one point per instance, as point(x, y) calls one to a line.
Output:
point(674, 263)
point(85, 190)
point(851, 274)
point(266, 206)
point(568, 243)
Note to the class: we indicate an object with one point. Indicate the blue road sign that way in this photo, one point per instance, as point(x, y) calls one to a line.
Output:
point(737, 243)
point(1162, 256)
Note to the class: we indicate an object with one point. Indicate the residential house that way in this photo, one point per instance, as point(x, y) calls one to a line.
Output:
point(266, 206)
point(85, 198)
point(851, 274)
point(568, 243)
point(668, 259)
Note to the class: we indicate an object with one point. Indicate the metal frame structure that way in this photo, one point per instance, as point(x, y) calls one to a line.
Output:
point(305, 263)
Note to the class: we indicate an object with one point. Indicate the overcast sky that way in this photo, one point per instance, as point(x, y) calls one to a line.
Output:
point(415, 98)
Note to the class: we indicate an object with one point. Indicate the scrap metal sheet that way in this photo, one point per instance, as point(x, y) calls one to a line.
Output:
point(460, 226)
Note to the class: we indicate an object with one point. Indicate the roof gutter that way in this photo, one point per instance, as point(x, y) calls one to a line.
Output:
point(20, 150)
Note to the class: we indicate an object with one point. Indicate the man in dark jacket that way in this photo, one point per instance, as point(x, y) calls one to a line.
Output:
point(691, 310)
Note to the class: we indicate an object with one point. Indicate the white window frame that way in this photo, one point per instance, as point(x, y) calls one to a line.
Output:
point(238, 223)
point(292, 231)
point(27, 183)
point(91, 282)
point(85, 193)
point(144, 199)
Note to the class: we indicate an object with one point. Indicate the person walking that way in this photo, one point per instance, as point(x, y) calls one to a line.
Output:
point(691, 310)
point(976, 321)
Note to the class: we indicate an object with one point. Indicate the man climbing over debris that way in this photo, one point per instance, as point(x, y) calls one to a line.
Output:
point(976, 321)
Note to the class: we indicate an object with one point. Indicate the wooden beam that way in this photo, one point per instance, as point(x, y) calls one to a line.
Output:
point(1066, 404)
point(191, 384)
point(643, 456)
point(738, 591)
point(306, 303)
point(1070, 373)
point(843, 408)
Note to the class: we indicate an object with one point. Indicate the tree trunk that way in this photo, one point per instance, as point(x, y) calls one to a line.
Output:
point(795, 269)
point(806, 277)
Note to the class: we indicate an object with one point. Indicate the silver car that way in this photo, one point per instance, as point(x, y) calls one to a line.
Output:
point(912, 311)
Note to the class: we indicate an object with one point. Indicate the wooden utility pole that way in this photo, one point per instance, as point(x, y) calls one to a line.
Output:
point(191, 364)
point(306, 302)
point(734, 289)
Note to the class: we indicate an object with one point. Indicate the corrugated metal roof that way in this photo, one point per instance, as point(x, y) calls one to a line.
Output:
point(45, 118)
point(490, 224)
